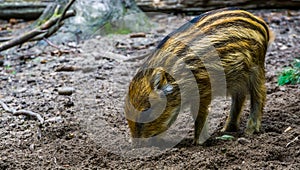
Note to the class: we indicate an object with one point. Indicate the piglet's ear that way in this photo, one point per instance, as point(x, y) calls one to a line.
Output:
point(158, 78)
point(160, 82)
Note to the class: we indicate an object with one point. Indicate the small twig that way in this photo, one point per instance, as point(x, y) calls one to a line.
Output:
point(114, 56)
point(120, 57)
point(26, 55)
point(66, 68)
point(39, 132)
point(22, 112)
point(137, 35)
point(5, 107)
point(138, 57)
point(29, 113)
point(59, 51)
point(292, 141)
point(51, 44)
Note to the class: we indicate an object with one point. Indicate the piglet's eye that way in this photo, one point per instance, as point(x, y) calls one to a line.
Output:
point(167, 89)
point(145, 110)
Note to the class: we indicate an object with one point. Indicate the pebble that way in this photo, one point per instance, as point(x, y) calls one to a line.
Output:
point(100, 77)
point(243, 141)
point(137, 35)
point(70, 136)
point(115, 95)
point(29, 81)
point(66, 90)
point(284, 47)
point(21, 90)
point(54, 119)
point(282, 88)
point(110, 93)
point(223, 150)
point(287, 129)
point(43, 61)
point(4, 78)
point(161, 30)
point(66, 68)
point(31, 147)
point(12, 125)
point(13, 21)
point(276, 20)
point(88, 69)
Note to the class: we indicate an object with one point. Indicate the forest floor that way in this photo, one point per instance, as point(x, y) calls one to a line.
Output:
point(87, 129)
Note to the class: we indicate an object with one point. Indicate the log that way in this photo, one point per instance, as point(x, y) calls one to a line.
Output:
point(32, 10)
point(204, 5)
point(24, 10)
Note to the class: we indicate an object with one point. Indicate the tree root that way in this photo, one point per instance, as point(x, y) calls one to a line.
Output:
point(22, 112)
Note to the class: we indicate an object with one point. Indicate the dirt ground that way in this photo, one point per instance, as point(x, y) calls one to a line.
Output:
point(87, 129)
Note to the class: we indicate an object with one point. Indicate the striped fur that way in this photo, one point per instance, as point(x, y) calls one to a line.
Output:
point(237, 37)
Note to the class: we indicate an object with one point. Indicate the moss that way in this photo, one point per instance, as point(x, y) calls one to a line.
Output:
point(109, 29)
point(290, 75)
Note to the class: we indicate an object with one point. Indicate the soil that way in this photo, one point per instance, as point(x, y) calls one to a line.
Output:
point(87, 129)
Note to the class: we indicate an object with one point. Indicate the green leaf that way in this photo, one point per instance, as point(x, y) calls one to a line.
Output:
point(290, 75)
point(297, 63)
point(225, 137)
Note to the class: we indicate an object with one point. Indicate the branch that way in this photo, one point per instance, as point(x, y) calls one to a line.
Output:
point(3, 39)
point(29, 113)
point(67, 7)
point(21, 39)
point(22, 112)
point(59, 23)
point(46, 29)
point(51, 22)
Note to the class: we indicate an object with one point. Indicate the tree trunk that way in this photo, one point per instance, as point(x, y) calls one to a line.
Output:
point(204, 5)
point(24, 10)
